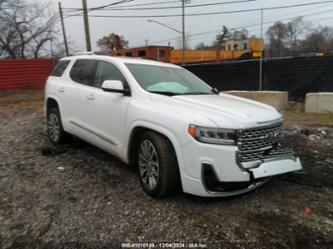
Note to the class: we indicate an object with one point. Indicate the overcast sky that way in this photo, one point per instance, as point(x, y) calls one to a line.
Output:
point(136, 31)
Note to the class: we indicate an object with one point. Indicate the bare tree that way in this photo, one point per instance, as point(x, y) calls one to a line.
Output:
point(319, 40)
point(25, 28)
point(285, 38)
point(295, 30)
point(276, 37)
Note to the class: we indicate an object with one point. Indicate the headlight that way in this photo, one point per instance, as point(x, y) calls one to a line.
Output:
point(213, 135)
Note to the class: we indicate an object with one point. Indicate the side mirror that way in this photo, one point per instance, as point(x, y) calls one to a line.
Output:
point(115, 86)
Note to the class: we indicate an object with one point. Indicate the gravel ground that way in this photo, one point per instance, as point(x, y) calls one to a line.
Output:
point(81, 197)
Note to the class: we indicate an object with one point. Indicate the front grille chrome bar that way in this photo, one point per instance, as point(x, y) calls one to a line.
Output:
point(256, 145)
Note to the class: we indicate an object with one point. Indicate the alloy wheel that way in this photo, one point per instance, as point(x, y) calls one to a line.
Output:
point(148, 164)
point(53, 126)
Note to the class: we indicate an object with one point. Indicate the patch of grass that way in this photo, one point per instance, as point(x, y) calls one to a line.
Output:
point(14, 97)
point(17, 101)
point(297, 119)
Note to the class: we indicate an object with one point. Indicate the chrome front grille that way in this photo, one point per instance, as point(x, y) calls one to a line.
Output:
point(262, 143)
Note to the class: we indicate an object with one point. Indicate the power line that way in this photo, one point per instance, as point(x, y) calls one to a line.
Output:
point(111, 4)
point(145, 33)
point(269, 19)
point(172, 7)
point(132, 5)
point(124, 8)
point(296, 12)
point(248, 26)
point(214, 13)
point(94, 8)
point(144, 4)
point(189, 6)
point(274, 18)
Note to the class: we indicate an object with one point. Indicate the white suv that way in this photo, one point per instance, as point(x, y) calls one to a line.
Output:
point(176, 129)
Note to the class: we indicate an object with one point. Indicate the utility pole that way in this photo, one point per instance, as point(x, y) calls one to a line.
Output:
point(183, 30)
point(86, 25)
point(261, 52)
point(63, 28)
point(51, 46)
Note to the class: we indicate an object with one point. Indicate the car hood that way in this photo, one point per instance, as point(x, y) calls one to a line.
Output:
point(225, 110)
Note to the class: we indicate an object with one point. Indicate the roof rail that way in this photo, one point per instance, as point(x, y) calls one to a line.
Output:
point(102, 53)
point(84, 53)
point(91, 53)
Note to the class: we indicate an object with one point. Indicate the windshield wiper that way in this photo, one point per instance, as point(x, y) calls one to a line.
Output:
point(189, 93)
point(199, 93)
point(214, 91)
point(164, 93)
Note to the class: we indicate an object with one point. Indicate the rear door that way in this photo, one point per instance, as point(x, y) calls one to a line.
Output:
point(57, 85)
point(82, 78)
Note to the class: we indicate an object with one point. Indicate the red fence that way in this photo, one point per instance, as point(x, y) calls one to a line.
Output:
point(24, 73)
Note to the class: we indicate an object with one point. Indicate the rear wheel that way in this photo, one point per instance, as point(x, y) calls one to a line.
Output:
point(158, 167)
point(55, 131)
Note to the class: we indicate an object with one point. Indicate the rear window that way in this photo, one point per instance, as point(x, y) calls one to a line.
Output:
point(60, 68)
point(84, 71)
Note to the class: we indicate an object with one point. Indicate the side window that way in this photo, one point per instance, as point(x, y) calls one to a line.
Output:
point(108, 71)
point(60, 68)
point(83, 71)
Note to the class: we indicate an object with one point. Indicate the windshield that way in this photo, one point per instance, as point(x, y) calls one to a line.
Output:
point(168, 80)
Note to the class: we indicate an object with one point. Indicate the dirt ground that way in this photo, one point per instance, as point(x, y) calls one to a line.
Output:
point(81, 197)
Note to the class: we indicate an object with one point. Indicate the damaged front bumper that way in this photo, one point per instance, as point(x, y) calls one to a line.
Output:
point(276, 167)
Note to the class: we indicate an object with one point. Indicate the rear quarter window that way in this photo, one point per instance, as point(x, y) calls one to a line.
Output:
point(60, 68)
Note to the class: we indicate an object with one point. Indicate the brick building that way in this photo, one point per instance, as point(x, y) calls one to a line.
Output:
point(159, 53)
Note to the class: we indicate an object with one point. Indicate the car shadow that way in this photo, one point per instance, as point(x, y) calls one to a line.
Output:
point(105, 164)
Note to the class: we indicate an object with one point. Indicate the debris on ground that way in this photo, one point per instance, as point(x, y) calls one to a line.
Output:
point(307, 211)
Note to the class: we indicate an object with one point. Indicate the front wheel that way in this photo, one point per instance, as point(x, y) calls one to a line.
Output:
point(158, 167)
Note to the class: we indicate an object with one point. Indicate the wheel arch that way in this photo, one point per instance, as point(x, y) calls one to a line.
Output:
point(51, 102)
point(139, 129)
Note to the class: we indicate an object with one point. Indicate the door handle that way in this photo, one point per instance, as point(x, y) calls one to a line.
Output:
point(61, 89)
point(90, 97)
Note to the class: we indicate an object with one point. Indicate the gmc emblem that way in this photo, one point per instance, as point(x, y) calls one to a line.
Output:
point(274, 138)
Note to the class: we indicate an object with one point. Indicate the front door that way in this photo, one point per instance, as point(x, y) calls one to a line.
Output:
point(106, 111)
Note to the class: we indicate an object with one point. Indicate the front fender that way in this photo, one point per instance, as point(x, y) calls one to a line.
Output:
point(159, 129)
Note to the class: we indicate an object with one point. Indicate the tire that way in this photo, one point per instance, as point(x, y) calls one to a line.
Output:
point(55, 130)
point(162, 167)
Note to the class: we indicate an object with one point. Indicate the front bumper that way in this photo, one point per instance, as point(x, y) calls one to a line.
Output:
point(227, 170)
point(276, 167)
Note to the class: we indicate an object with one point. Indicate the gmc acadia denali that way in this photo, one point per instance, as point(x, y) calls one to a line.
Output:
point(177, 130)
